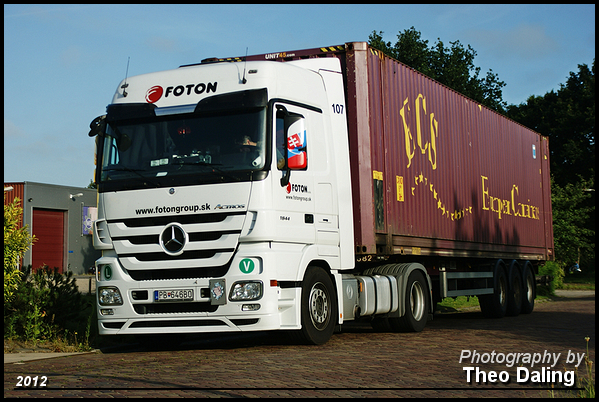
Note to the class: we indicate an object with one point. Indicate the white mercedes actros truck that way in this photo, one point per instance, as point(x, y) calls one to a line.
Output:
point(300, 190)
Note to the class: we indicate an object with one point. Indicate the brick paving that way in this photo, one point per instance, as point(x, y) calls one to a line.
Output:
point(358, 362)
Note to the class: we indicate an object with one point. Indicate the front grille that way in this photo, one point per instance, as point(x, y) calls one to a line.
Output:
point(187, 255)
point(212, 241)
point(178, 273)
point(182, 219)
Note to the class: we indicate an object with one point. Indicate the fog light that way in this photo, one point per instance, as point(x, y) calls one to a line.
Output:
point(109, 296)
point(106, 311)
point(250, 307)
point(250, 290)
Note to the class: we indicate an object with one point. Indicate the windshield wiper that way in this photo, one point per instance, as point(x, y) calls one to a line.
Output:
point(122, 168)
point(208, 165)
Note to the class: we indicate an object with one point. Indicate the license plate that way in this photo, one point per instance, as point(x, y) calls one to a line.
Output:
point(173, 295)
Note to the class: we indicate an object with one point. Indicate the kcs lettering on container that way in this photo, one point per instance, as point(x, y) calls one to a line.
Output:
point(155, 93)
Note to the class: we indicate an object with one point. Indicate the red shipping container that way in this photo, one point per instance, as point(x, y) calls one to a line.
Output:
point(436, 173)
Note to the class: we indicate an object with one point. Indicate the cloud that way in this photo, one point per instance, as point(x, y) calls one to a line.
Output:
point(12, 131)
point(162, 44)
point(526, 41)
point(43, 12)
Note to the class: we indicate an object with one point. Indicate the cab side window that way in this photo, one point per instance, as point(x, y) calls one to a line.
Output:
point(280, 140)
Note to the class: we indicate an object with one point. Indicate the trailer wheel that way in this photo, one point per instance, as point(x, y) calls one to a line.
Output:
point(319, 307)
point(416, 302)
point(514, 299)
point(529, 289)
point(495, 305)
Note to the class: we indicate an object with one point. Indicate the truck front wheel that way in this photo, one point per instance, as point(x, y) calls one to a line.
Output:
point(319, 307)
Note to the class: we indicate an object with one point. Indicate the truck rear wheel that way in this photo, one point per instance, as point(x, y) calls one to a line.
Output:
point(416, 301)
point(514, 299)
point(529, 289)
point(318, 307)
point(495, 304)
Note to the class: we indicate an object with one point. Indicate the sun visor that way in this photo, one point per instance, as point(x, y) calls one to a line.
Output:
point(127, 111)
point(255, 98)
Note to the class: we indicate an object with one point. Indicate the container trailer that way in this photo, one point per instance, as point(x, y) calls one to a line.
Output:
point(301, 190)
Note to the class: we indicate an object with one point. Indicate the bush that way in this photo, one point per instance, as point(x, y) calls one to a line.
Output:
point(16, 242)
point(556, 271)
point(45, 306)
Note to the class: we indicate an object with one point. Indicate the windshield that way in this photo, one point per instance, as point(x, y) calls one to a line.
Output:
point(181, 149)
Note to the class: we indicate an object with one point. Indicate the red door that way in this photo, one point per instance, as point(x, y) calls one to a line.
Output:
point(49, 248)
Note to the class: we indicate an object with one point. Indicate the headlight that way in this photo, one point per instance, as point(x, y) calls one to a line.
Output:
point(109, 296)
point(251, 290)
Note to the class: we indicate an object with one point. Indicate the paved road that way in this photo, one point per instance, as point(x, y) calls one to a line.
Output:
point(356, 363)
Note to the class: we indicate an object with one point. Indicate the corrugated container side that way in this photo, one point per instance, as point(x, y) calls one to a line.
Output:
point(448, 176)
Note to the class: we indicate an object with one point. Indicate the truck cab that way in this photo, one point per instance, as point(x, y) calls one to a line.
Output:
point(219, 187)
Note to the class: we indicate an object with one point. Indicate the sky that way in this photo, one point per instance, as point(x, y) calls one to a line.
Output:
point(62, 63)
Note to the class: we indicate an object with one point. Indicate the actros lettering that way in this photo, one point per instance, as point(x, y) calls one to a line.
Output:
point(231, 206)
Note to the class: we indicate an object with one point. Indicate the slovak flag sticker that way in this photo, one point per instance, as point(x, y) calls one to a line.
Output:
point(296, 150)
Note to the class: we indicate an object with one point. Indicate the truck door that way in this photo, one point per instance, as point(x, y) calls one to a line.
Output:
point(295, 162)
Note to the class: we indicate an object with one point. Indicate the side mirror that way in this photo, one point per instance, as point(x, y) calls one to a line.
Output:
point(294, 143)
point(97, 126)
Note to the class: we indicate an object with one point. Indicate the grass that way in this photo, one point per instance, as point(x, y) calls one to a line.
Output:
point(450, 304)
point(576, 281)
point(579, 281)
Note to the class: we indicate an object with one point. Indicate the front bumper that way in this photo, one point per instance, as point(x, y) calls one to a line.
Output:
point(210, 309)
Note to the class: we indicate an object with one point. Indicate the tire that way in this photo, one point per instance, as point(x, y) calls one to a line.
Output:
point(515, 289)
point(417, 305)
point(318, 307)
point(495, 305)
point(529, 289)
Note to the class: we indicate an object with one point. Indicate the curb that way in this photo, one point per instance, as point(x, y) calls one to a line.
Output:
point(22, 357)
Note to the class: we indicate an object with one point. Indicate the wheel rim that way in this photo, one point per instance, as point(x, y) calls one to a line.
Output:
point(529, 289)
point(502, 290)
point(417, 301)
point(319, 306)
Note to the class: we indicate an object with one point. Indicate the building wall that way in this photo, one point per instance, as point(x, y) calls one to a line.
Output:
point(78, 251)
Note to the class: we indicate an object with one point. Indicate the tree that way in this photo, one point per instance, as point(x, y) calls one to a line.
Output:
point(571, 213)
point(567, 117)
point(92, 184)
point(453, 66)
point(16, 242)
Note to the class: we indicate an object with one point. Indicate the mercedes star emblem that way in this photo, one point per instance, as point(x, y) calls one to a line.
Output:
point(173, 239)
